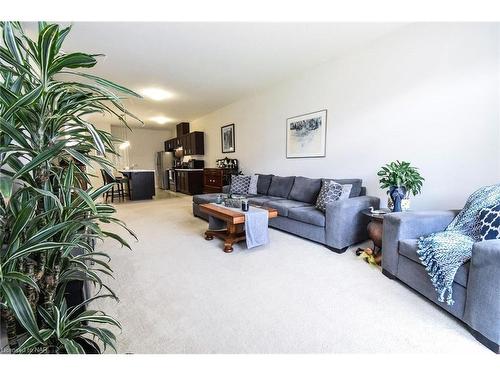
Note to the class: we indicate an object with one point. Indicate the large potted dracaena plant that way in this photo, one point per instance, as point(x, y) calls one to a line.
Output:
point(50, 214)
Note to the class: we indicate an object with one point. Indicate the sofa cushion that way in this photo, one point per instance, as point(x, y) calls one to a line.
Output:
point(305, 189)
point(205, 198)
point(281, 186)
point(263, 183)
point(408, 248)
point(307, 214)
point(283, 205)
point(355, 182)
point(259, 200)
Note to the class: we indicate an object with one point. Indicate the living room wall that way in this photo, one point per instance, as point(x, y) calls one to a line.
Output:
point(144, 144)
point(427, 93)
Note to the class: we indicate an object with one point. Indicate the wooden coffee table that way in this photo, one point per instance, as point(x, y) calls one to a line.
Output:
point(235, 231)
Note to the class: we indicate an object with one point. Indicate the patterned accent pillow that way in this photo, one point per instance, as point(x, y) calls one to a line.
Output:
point(252, 188)
point(239, 184)
point(330, 192)
point(346, 191)
point(489, 219)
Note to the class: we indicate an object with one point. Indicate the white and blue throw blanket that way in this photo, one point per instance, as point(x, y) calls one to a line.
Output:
point(443, 253)
point(256, 225)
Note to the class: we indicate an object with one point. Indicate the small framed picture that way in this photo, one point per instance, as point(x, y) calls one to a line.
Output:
point(306, 135)
point(227, 138)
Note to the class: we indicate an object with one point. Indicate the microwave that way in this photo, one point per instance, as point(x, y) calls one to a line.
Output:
point(196, 164)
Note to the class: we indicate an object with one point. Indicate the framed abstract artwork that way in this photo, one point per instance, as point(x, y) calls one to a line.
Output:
point(227, 138)
point(306, 135)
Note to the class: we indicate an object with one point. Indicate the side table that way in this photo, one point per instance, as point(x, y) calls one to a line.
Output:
point(375, 231)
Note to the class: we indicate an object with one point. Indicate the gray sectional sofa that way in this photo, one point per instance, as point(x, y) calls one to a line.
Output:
point(340, 226)
point(476, 288)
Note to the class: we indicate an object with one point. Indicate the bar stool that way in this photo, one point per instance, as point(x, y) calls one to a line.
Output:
point(118, 181)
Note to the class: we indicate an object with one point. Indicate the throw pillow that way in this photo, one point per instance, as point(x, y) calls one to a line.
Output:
point(489, 220)
point(330, 192)
point(346, 191)
point(252, 188)
point(239, 184)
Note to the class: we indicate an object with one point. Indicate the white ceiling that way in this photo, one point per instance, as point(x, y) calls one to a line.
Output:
point(209, 65)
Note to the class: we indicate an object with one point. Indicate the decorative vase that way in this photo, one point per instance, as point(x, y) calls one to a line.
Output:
point(397, 194)
point(405, 204)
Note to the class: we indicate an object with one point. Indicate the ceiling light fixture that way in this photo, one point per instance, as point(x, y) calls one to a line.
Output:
point(161, 119)
point(156, 93)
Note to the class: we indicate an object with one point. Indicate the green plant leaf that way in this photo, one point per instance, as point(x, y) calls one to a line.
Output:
point(24, 100)
point(21, 277)
point(31, 342)
point(105, 83)
point(73, 61)
point(71, 346)
point(11, 43)
point(41, 158)
point(47, 40)
point(6, 184)
point(17, 301)
point(22, 220)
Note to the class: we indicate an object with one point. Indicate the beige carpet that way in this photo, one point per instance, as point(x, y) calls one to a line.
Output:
point(181, 294)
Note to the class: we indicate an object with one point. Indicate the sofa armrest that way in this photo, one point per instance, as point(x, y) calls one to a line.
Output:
point(345, 224)
point(482, 307)
point(409, 225)
point(226, 188)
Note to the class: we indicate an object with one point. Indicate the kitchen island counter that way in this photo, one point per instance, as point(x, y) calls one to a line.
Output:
point(141, 183)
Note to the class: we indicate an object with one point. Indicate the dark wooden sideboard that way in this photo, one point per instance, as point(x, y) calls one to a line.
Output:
point(215, 178)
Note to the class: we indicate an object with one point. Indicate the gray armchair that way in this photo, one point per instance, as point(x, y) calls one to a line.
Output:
point(476, 289)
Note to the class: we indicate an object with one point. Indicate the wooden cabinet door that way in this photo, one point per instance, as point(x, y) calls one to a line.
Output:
point(187, 145)
point(197, 143)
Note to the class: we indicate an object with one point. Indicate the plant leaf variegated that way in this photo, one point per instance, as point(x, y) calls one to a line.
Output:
point(401, 174)
point(50, 216)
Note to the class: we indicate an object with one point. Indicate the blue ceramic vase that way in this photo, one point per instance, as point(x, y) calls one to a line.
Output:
point(397, 193)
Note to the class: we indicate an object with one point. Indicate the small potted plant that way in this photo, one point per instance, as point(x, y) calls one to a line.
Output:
point(402, 180)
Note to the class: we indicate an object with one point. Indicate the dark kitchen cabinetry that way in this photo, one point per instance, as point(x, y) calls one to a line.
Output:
point(192, 143)
point(215, 178)
point(171, 144)
point(182, 129)
point(189, 182)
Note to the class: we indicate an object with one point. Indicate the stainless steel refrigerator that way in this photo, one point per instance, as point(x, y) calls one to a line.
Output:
point(164, 161)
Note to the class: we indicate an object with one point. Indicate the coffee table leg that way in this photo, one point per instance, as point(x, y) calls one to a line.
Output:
point(234, 233)
point(231, 238)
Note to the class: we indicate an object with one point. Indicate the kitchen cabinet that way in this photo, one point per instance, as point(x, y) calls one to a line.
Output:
point(189, 181)
point(182, 129)
point(193, 143)
point(171, 144)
